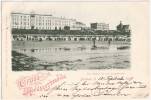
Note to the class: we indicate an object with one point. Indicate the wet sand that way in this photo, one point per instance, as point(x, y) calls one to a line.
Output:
point(60, 56)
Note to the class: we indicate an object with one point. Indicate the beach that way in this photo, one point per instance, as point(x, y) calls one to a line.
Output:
point(70, 55)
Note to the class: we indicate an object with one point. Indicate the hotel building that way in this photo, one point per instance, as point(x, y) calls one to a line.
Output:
point(100, 26)
point(43, 22)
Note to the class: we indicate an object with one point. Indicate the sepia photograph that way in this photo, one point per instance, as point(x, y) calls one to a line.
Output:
point(80, 50)
point(57, 41)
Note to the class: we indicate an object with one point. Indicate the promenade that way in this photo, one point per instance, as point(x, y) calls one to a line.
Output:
point(41, 37)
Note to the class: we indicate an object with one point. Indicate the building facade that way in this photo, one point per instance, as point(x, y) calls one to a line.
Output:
point(123, 28)
point(100, 26)
point(42, 22)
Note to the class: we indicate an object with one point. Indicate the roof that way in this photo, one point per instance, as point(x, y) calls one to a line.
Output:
point(100, 23)
point(32, 14)
point(42, 15)
point(80, 23)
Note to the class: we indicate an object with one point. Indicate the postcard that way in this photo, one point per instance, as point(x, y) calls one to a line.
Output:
point(75, 50)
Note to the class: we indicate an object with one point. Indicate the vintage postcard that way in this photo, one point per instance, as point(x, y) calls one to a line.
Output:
point(75, 50)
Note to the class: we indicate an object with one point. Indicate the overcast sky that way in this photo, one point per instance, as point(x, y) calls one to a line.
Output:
point(86, 12)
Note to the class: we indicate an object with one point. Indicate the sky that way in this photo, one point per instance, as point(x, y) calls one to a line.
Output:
point(86, 12)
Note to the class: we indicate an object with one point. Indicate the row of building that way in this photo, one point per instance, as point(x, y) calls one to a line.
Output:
point(49, 22)
point(43, 22)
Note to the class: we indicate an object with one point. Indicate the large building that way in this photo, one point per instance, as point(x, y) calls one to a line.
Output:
point(100, 26)
point(123, 28)
point(43, 22)
point(78, 26)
